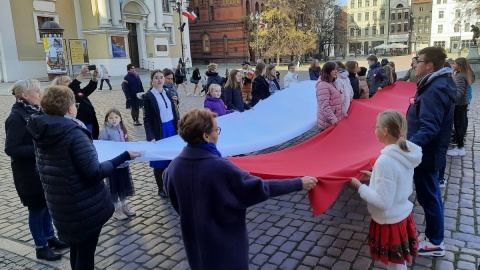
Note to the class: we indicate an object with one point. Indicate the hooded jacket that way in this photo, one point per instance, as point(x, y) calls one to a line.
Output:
point(213, 77)
point(329, 104)
point(86, 112)
point(461, 82)
point(355, 85)
point(377, 77)
point(391, 184)
point(430, 117)
point(216, 105)
point(346, 91)
point(260, 90)
point(72, 176)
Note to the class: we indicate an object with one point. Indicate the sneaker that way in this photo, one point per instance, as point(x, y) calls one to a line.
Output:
point(426, 248)
point(188, 94)
point(194, 95)
point(118, 214)
point(46, 253)
point(54, 243)
point(442, 183)
point(127, 211)
point(202, 94)
point(457, 152)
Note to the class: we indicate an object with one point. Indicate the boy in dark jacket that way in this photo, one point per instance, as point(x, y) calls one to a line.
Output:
point(131, 86)
point(376, 76)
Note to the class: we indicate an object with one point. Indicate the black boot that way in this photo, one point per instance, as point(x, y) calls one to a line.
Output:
point(46, 253)
point(57, 244)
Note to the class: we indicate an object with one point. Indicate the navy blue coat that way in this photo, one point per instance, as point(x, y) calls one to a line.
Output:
point(72, 176)
point(19, 146)
point(211, 196)
point(234, 100)
point(430, 118)
point(133, 86)
point(86, 112)
point(213, 77)
point(151, 116)
point(355, 85)
point(377, 77)
point(314, 74)
point(260, 90)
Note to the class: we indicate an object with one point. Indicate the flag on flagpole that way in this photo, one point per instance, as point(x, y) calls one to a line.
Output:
point(194, 16)
point(263, 25)
point(188, 14)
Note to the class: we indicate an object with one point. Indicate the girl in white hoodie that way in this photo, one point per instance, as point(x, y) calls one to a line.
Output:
point(393, 236)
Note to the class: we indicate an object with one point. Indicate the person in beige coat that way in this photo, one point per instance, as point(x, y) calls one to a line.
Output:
point(362, 82)
point(329, 101)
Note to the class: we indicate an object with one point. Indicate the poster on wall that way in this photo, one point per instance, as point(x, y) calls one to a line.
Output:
point(78, 51)
point(55, 57)
point(118, 46)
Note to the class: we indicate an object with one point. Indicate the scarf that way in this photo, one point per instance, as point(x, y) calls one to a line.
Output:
point(209, 147)
point(31, 109)
point(78, 122)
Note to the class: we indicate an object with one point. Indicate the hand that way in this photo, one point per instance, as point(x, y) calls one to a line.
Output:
point(95, 75)
point(134, 154)
point(175, 98)
point(355, 183)
point(153, 141)
point(366, 175)
point(309, 182)
point(379, 88)
point(84, 71)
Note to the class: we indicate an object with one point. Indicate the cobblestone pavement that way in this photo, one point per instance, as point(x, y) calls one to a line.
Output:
point(283, 232)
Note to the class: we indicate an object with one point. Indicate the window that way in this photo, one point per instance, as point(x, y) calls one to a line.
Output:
point(444, 1)
point(197, 12)
point(466, 27)
point(405, 27)
point(374, 30)
point(352, 4)
point(212, 13)
point(440, 28)
point(359, 3)
point(352, 32)
point(420, 20)
point(359, 17)
point(367, 31)
point(374, 3)
point(367, 16)
point(392, 28)
point(466, 44)
point(457, 13)
point(439, 2)
point(382, 15)
point(374, 15)
point(206, 43)
point(406, 15)
point(399, 27)
point(427, 29)
point(414, 20)
point(420, 9)
point(419, 30)
point(352, 19)
point(439, 44)
point(392, 16)
point(440, 14)
point(456, 28)
point(399, 15)
point(367, 3)
point(171, 37)
point(166, 6)
point(40, 18)
point(382, 30)
point(427, 19)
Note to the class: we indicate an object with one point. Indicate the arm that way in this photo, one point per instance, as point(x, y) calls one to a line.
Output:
point(229, 98)
point(255, 93)
point(461, 82)
point(407, 75)
point(90, 88)
point(384, 78)
point(126, 89)
point(382, 196)
point(85, 159)
point(148, 118)
point(16, 130)
point(323, 99)
point(104, 135)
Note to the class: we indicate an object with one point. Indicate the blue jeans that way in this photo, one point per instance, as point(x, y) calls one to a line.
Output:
point(430, 198)
point(41, 227)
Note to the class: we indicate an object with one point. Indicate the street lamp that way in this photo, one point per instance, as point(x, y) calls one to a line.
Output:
point(357, 32)
point(177, 6)
point(256, 19)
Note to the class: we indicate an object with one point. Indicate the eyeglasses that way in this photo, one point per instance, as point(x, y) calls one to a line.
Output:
point(77, 105)
point(376, 126)
point(418, 61)
point(219, 130)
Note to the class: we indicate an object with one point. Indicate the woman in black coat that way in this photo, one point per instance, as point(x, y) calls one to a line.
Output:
point(67, 162)
point(160, 121)
point(86, 111)
point(260, 89)
point(233, 93)
point(19, 146)
point(352, 68)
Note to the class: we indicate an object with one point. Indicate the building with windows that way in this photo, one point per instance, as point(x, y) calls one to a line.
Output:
point(421, 24)
point(367, 25)
point(221, 33)
point(399, 28)
point(451, 24)
point(109, 32)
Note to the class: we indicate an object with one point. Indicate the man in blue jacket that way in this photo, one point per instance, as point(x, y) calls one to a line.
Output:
point(376, 75)
point(430, 121)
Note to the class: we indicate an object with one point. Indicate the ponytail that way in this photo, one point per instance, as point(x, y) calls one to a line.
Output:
point(396, 125)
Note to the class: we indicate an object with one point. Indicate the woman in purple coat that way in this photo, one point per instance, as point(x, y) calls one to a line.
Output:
point(211, 196)
point(214, 102)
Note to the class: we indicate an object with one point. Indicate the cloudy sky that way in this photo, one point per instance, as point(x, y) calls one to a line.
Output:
point(341, 2)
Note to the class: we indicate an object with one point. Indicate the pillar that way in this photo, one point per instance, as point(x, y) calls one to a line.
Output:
point(159, 15)
point(151, 16)
point(104, 19)
point(115, 11)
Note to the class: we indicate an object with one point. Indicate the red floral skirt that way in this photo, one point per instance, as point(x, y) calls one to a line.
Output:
point(394, 243)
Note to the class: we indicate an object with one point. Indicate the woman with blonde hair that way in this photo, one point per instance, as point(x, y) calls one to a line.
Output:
point(19, 146)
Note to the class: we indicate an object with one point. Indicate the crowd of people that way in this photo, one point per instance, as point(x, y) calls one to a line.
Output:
point(59, 125)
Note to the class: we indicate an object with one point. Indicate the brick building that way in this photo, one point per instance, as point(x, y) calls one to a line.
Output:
point(220, 34)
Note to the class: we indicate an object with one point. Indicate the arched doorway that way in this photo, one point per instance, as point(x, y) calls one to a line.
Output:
point(135, 15)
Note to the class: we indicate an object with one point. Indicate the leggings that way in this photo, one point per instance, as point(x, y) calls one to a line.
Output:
point(82, 255)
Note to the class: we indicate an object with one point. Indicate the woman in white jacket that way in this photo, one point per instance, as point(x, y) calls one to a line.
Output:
point(393, 236)
point(343, 83)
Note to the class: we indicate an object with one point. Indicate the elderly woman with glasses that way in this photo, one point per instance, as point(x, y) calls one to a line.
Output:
point(67, 162)
point(211, 195)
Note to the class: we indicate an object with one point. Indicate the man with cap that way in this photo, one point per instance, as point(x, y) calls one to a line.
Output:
point(247, 81)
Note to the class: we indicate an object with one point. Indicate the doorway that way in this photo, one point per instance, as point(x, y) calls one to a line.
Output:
point(133, 44)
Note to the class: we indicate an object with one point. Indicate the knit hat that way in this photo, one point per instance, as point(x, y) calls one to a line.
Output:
point(362, 72)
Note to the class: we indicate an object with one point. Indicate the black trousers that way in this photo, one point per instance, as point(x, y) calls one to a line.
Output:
point(108, 82)
point(459, 123)
point(82, 255)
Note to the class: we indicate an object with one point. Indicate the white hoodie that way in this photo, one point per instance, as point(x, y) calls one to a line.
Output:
point(391, 184)
point(343, 83)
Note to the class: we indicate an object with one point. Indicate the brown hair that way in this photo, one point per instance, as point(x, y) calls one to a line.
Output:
point(388, 71)
point(194, 124)
point(372, 57)
point(434, 55)
point(326, 69)
point(313, 66)
point(269, 69)
point(351, 65)
point(23, 86)
point(465, 68)
point(117, 112)
point(56, 100)
point(259, 69)
point(396, 125)
point(232, 80)
point(152, 74)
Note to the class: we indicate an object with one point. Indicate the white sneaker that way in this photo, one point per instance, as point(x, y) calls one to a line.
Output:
point(118, 214)
point(426, 248)
point(457, 152)
point(127, 211)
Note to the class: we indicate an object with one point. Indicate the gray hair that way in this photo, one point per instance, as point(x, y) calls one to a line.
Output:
point(23, 86)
